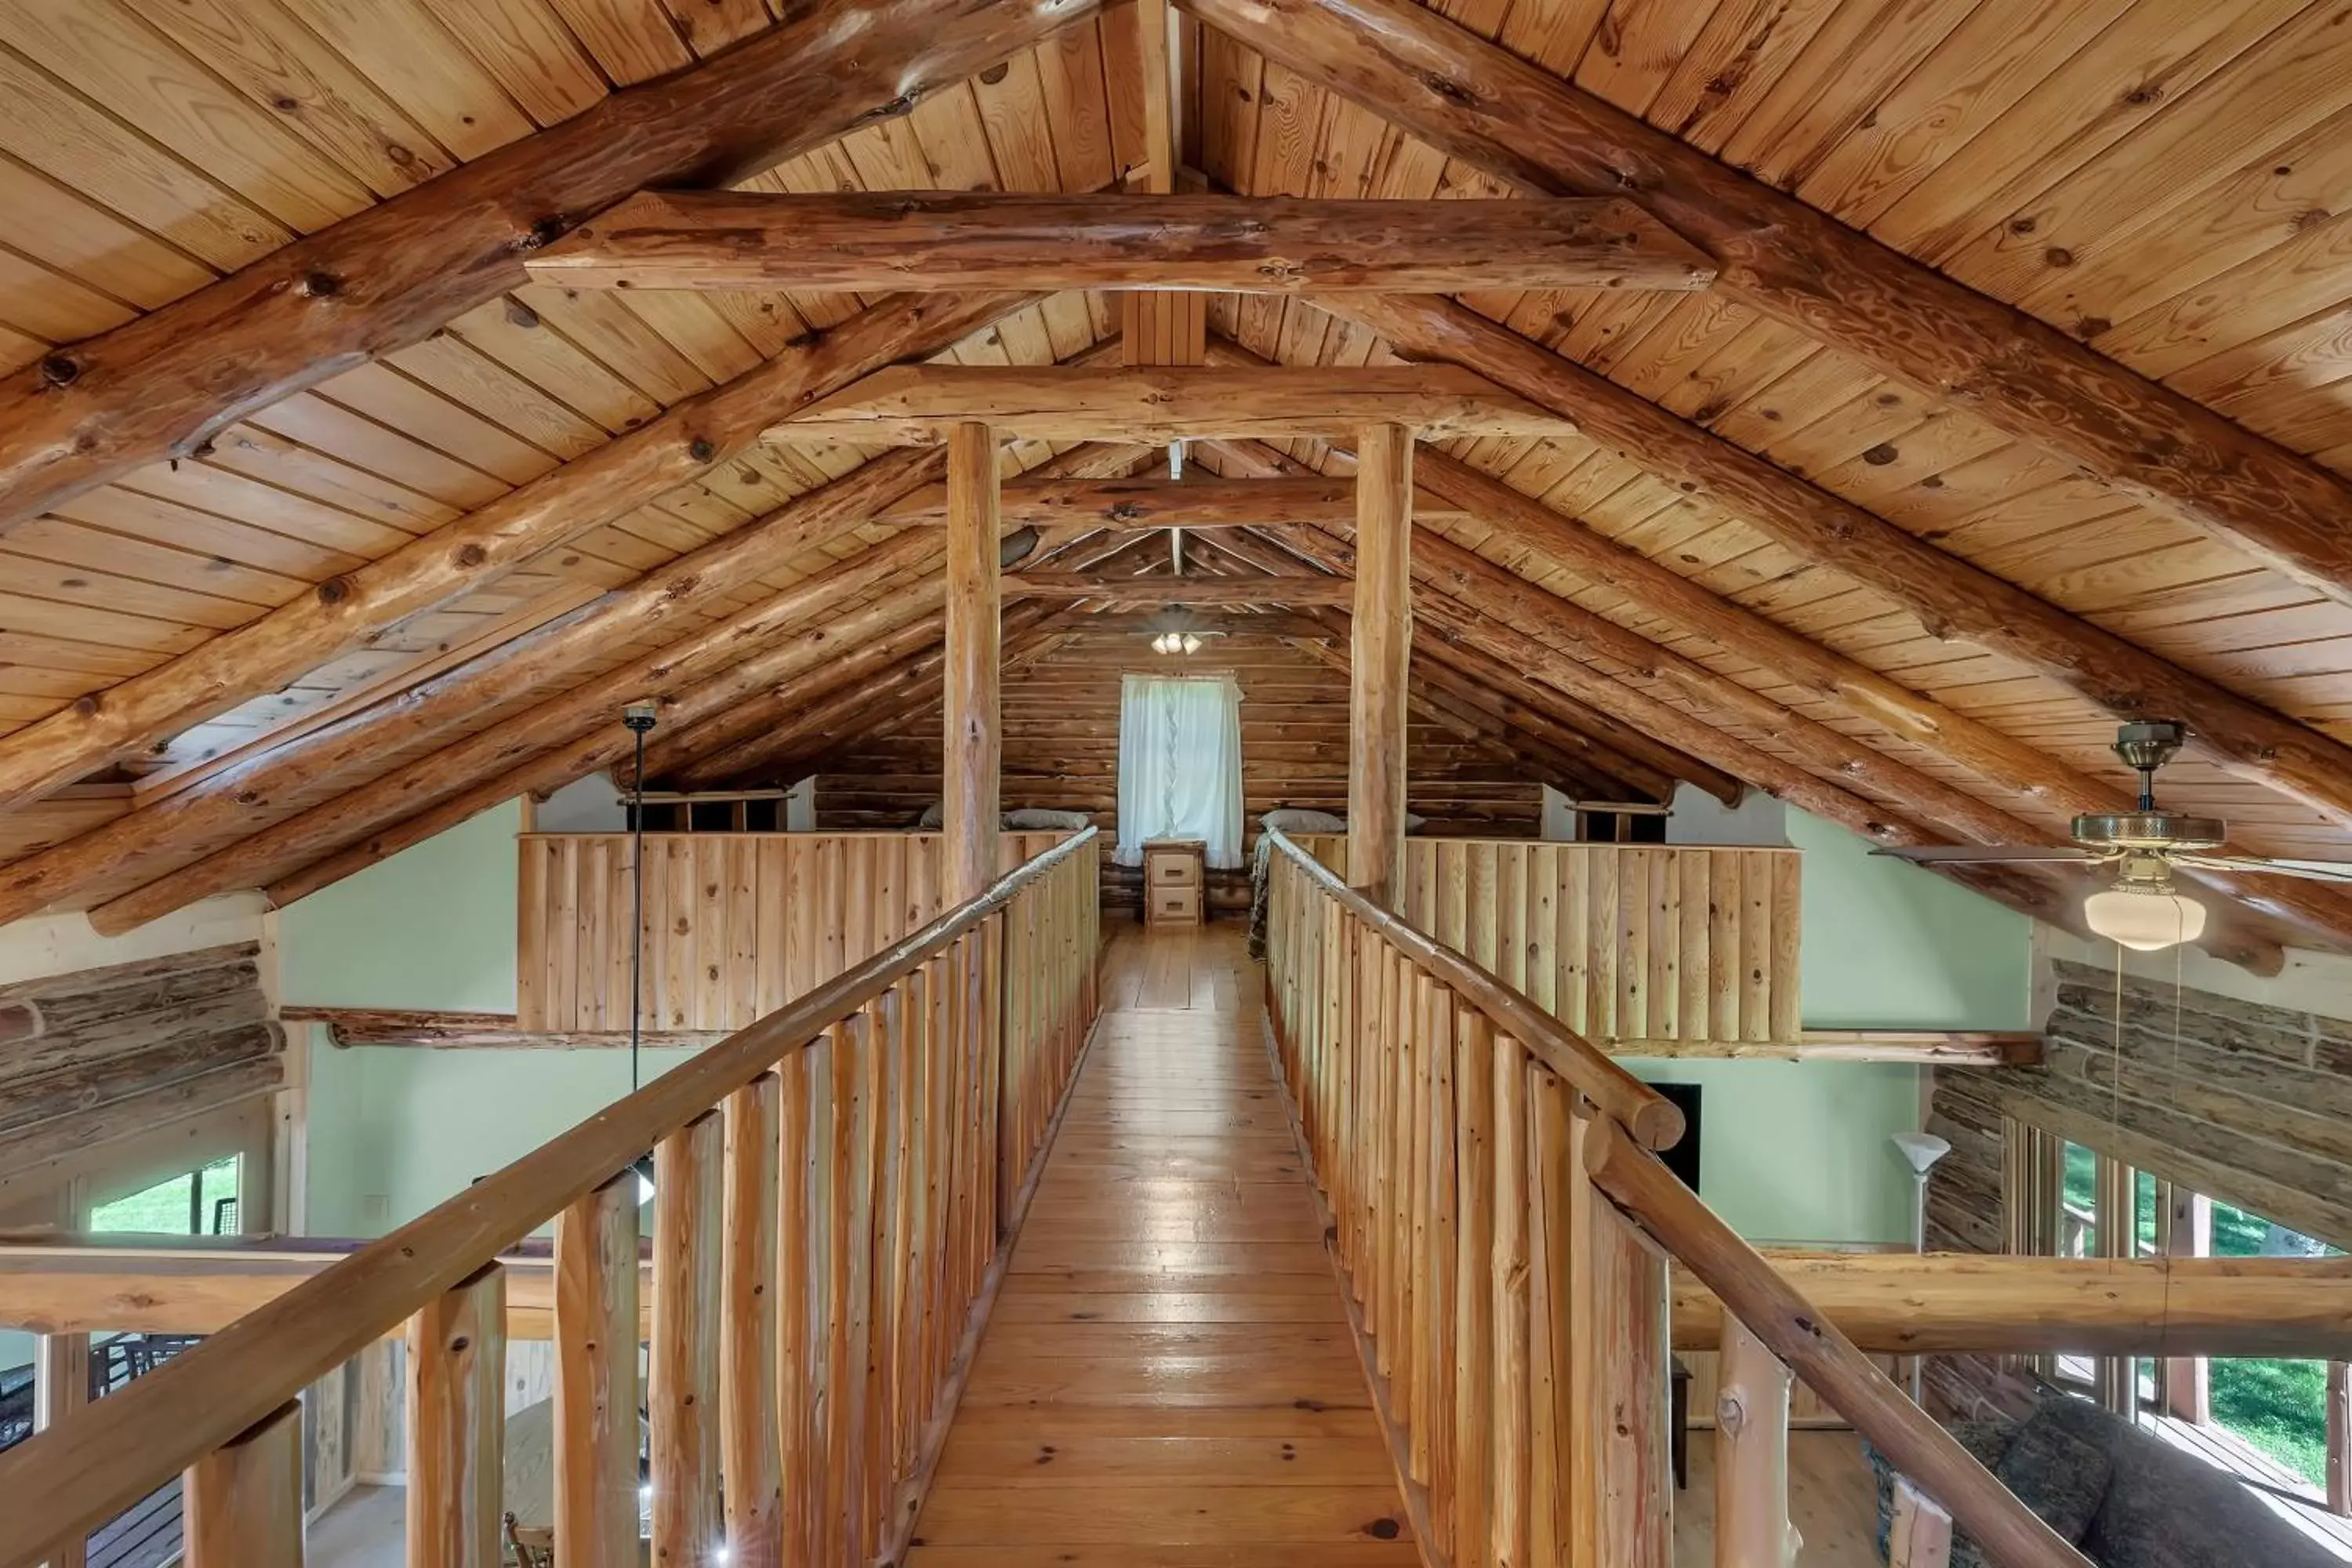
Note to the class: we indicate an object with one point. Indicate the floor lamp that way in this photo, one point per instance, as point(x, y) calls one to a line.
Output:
point(1921, 1150)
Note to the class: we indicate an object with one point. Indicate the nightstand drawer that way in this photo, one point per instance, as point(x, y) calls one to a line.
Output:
point(1176, 870)
point(1173, 906)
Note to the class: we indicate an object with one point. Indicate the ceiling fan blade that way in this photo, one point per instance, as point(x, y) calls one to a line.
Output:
point(1977, 854)
point(2313, 870)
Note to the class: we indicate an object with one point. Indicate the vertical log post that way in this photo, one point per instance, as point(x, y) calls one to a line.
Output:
point(596, 1378)
point(60, 1387)
point(974, 638)
point(748, 1340)
point(684, 1408)
point(456, 1418)
point(1378, 659)
point(1751, 1455)
point(241, 1504)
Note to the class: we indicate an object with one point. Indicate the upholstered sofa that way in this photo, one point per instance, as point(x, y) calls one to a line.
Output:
point(2126, 1497)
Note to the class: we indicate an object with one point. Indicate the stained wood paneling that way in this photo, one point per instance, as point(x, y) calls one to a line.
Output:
point(735, 924)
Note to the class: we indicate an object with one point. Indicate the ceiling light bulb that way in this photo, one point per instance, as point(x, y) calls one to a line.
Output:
point(2145, 917)
point(1191, 642)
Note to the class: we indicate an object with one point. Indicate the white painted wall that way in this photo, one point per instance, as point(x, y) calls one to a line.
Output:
point(1700, 818)
point(591, 805)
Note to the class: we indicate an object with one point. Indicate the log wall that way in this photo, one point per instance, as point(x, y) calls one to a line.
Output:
point(1060, 751)
point(2246, 1103)
point(99, 1055)
point(736, 924)
point(1623, 944)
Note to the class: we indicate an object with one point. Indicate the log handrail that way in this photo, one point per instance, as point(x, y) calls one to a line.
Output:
point(1652, 1119)
point(1452, 1123)
point(81, 1472)
point(1812, 1348)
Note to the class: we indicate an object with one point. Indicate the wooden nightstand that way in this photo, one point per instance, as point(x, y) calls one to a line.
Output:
point(1174, 884)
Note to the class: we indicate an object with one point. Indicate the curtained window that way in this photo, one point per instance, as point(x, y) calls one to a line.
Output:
point(1179, 764)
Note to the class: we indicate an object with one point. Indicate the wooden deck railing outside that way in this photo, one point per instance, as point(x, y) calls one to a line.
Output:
point(828, 1189)
point(1507, 1230)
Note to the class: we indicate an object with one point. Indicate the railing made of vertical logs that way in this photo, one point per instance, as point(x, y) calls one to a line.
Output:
point(1506, 1229)
point(830, 1186)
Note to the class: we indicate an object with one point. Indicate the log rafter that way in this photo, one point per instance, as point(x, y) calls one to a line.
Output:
point(1436, 80)
point(345, 613)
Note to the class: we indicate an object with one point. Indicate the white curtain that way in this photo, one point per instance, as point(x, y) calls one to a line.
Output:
point(1180, 765)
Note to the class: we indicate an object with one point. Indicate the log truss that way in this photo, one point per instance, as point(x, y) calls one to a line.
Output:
point(1710, 486)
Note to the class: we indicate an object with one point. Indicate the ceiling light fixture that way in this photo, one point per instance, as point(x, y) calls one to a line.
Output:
point(2145, 916)
point(1176, 642)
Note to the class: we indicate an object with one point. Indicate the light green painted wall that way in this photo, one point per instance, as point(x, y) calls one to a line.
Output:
point(394, 1130)
point(426, 1124)
point(1800, 1151)
point(1888, 945)
point(431, 927)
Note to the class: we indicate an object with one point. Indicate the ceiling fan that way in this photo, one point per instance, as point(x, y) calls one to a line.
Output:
point(2142, 909)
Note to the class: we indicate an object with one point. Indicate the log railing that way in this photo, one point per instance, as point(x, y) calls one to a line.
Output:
point(831, 1191)
point(1507, 1230)
point(734, 924)
point(1624, 943)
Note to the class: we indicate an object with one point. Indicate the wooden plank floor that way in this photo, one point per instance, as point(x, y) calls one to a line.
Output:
point(1167, 1380)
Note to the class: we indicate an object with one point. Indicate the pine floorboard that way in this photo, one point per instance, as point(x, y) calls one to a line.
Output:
point(1168, 1379)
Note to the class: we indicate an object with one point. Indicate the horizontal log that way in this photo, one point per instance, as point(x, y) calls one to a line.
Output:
point(397, 269)
point(1137, 624)
point(48, 1051)
point(484, 1031)
point(1301, 589)
point(138, 1284)
point(76, 982)
point(1888, 1303)
point(79, 1086)
point(1967, 1302)
point(82, 1130)
point(1436, 80)
point(861, 242)
point(1144, 503)
point(1929, 1047)
point(917, 405)
point(343, 613)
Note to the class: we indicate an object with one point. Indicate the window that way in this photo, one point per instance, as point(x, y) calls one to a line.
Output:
point(202, 1201)
point(1180, 765)
point(2266, 1419)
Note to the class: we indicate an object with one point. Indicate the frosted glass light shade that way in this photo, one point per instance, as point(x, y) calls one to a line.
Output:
point(2146, 919)
point(1921, 1148)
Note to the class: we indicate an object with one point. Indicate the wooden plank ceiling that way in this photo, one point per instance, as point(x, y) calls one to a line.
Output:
point(2161, 180)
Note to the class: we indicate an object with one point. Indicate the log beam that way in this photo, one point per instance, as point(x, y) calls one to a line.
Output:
point(1751, 1456)
point(1888, 1303)
point(459, 1030)
point(971, 761)
point(1144, 503)
point(1953, 598)
point(387, 275)
point(699, 675)
point(1380, 664)
point(1436, 80)
point(879, 242)
point(249, 795)
point(1296, 588)
point(1850, 686)
point(917, 406)
point(343, 613)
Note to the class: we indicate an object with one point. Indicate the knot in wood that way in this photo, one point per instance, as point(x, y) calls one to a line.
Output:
point(319, 286)
point(333, 591)
point(59, 370)
point(702, 450)
point(471, 555)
